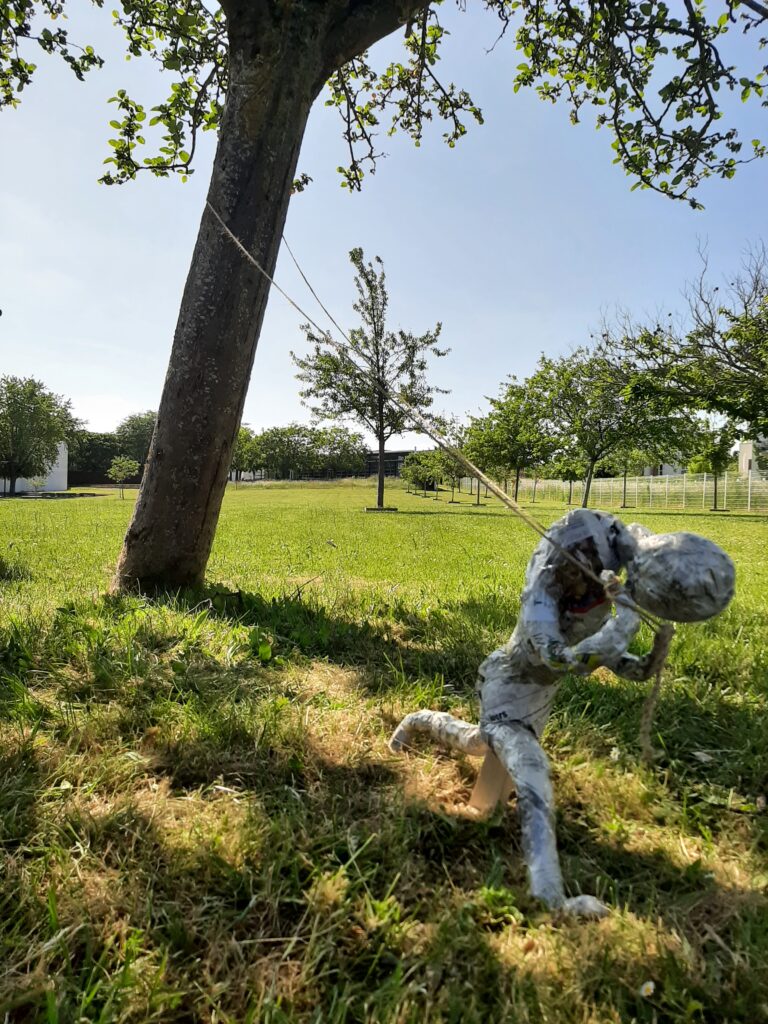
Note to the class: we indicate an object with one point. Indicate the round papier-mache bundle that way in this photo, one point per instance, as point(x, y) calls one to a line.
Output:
point(681, 576)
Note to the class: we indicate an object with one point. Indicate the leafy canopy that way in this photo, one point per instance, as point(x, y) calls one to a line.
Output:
point(585, 410)
point(656, 73)
point(134, 435)
point(720, 362)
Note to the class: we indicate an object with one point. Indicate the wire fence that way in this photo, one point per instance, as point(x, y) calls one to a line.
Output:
point(688, 492)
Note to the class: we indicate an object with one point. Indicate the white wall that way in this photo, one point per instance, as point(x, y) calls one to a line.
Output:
point(746, 457)
point(56, 479)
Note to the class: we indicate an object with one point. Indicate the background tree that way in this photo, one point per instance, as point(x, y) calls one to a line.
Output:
point(341, 452)
point(516, 433)
point(134, 435)
point(714, 451)
point(580, 408)
point(419, 470)
point(33, 422)
point(381, 363)
point(240, 453)
point(121, 469)
point(629, 459)
point(654, 73)
point(448, 468)
point(481, 447)
point(283, 451)
point(563, 467)
point(91, 454)
point(587, 412)
point(720, 361)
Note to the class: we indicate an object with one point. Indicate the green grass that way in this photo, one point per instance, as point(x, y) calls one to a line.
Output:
point(199, 818)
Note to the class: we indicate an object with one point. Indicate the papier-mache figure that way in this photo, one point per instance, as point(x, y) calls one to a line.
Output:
point(568, 623)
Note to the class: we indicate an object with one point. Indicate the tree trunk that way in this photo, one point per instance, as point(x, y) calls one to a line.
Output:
point(12, 485)
point(517, 481)
point(570, 491)
point(588, 484)
point(274, 78)
point(380, 487)
point(477, 502)
point(714, 492)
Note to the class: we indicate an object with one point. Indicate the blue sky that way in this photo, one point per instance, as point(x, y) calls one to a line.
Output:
point(518, 240)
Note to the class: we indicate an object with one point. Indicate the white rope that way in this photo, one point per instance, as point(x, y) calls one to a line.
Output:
point(615, 592)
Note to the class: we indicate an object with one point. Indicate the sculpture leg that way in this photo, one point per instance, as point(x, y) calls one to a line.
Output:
point(446, 730)
point(521, 754)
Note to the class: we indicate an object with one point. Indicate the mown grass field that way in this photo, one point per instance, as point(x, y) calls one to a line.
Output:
point(200, 819)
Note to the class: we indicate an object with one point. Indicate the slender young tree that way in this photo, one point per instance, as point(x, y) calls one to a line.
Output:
point(381, 363)
point(121, 468)
point(714, 451)
point(653, 72)
point(240, 452)
point(448, 468)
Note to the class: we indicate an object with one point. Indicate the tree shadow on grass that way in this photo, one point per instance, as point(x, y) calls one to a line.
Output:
point(704, 738)
point(390, 645)
point(20, 780)
point(13, 571)
point(294, 873)
point(449, 641)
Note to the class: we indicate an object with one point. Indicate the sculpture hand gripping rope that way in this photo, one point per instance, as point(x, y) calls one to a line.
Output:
point(566, 625)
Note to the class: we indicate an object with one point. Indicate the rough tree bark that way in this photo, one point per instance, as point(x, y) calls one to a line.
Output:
point(280, 57)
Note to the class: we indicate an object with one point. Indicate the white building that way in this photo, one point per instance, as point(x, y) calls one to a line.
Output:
point(664, 469)
point(753, 456)
point(56, 479)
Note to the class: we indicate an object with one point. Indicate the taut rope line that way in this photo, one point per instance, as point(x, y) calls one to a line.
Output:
point(615, 592)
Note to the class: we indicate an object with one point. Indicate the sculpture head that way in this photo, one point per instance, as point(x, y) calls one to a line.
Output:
point(679, 576)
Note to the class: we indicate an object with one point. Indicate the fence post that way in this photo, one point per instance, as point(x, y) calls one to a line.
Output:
point(666, 497)
point(749, 491)
point(650, 492)
point(725, 491)
point(636, 497)
point(704, 493)
point(684, 476)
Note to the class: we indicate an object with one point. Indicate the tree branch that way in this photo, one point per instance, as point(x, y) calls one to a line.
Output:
point(365, 22)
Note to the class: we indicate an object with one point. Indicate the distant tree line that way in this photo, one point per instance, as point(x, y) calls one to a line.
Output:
point(93, 453)
point(292, 452)
point(299, 452)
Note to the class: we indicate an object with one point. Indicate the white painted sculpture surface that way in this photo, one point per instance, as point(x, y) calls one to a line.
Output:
point(567, 624)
